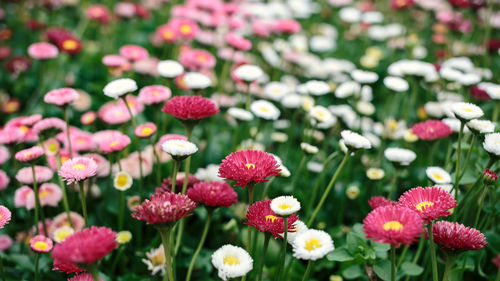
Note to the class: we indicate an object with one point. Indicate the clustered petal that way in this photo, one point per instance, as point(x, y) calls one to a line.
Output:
point(163, 208)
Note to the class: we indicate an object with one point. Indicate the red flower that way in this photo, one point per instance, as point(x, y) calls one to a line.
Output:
point(431, 130)
point(455, 236)
point(86, 247)
point(83, 277)
point(261, 216)
point(166, 184)
point(379, 201)
point(66, 267)
point(190, 107)
point(392, 225)
point(479, 94)
point(213, 193)
point(247, 166)
point(496, 261)
point(489, 176)
point(164, 208)
point(430, 202)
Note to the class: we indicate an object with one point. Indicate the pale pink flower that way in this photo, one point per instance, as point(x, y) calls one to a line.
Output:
point(78, 169)
point(5, 242)
point(115, 144)
point(51, 123)
point(62, 220)
point(42, 51)
point(154, 94)
point(61, 97)
point(42, 174)
point(103, 166)
point(21, 196)
point(5, 216)
point(238, 42)
point(114, 61)
point(131, 165)
point(133, 52)
point(50, 194)
point(145, 130)
point(4, 180)
point(29, 154)
point(11, 135)
point(4, 154)
point(88, 118)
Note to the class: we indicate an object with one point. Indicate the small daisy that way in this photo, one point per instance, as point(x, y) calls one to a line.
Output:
point(400, 156)
point(41, 244)
point(5, 216)
point(154, 94)
point(120, 87)
point(265, 110)
point(61, 97)
point(322, 115)
point(123, 237)
point(438, 175)
point(240, 114)
point(298, 228)
point(352, 192)
point(354, 140)
point(155, 261)
point(492, 144)
point(466, 111)
point(276, 90)
point(232, 262)
point(169, 68)
point(196, 80)
point(375, 173)
point(179, 148)
point(284, 206)
point(122, 181)
point(78, 169)
point(317, 88)
point(29, 154)
point(396, 84)
point(308, 148)
point(481, 126)
point(145, 130)
point(312, 244)
point(248, 72)
point(61, 233)
point(429, 203)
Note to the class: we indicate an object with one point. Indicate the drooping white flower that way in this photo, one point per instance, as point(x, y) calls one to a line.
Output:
point(492, 143)
point(401, 156)
point(276, 90)
point(240, 114)
point(355, 140)
point(438, 175)
point(120, 87)
point(317, 88)
point(248, 72)
point(179, 148)
point(466, 111)
point(308, 148)
point(169, 68)
point(364, 77)
point(481, 126)
point(347, 89)
point(265, 110)
point(397, 84)
point(285, 206)
point(196, 80)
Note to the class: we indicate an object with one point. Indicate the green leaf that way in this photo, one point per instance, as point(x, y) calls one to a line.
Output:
point(352, 272)
point(355, 243)
point(411, 269)
point(383, 270)
point(340, 255)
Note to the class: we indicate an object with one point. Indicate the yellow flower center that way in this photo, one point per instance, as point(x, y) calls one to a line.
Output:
point(438, 176)
point(271, 218)
point(27, 154)
point(155, 93)
point(202, 58)
point(312, 244)
point(79, 167)
point(24, 128)
point(146, 131)
point(52, 147)
point(393, 225)
point(168, 34)
point(467, 109)
point(121, 180)
point(185, 29)
point(40, 245)
point(231, 260)
point(264, 109)
point(113, 143)
point(284, 206)
point(62, 235)
point(158, 259)
point(44, 193)
point(250, 165)
point(70, 44)
point(424, 205)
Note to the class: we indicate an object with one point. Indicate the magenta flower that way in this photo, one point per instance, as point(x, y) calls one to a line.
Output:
point(78, 169)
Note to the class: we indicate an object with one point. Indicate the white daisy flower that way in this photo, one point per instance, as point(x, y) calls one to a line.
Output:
point(285, 206)
point(232, 262)
point(248, 72)
point(276, 90)
point(209, 173)
point(355, 140)
point(492, 143)
point(455, 124)
point(63, 232)
point(352, 192)
point(481, 126)
point(196, 80)
point(291, 101)
point(375, 173)
point(312, 244)
point(365, 108)
point(265, 110)
point(156, 261)
point(397, 84)
point(314, 167)
point(347, 89)
point(317, 88)
point(169, 68)
point(400, 156)
point(120, 87)
point(308, 148)
point(122, 181)
point(179, 148)
point(438, 175)
point(240, 114)
point(298, 227)
point(466, 111)
point(322, 114)
point(364, 77)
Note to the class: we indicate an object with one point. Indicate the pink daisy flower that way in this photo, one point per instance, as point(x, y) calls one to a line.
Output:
point(131, 165)
point(42, 51)
point(82, 277)
point(41, 244)
point(238, 42)
point(114, 61)
point(380, 201)
point(82, 141)
point(63, 157)
point(113, 113)
point(4, 180)
point(134, 52)
point(185, 28)
point(260, 216)
point(430, 202)
point(11, 135)
point(114, 144)
point(50, 194)
point(62, 220)
point(286, 26)
point(432, 130)
point(455, 236)
point(88, 118)
point(496, 260)
point(190, 107)
point(5, 242)
point(5, 216)
point(4, 155)
point(164, 208)
point(99, 13)
point(104, 135)
point(78, 169)
point(154, 94)
point(21, 196)
point(166, 184)
point(213, 194)
point(393, 225)
point(166, 33)
point(248, 166)
point(29, 154)
point(145, 130)
point(103, 166)
point(195, 59)
point(42, 174)
point(66, 267)
point(24, 120)
point(86, 247)
point(49, 126)
point(61, 97)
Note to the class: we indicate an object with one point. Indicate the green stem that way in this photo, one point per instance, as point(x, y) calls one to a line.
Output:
point(121, 210)
point(249, 98)
point(65, 115)
point(403, 255)
point(64, 193)
point(297, 173)
point(175, 169)
point(267, 237)
point(37, 260)
point(467, 158)
point(2, 271)
point(165, 235)
point(94, 272)
point(480, 205)
point(38, 208)
point(200, 245)
point(250, 188)
point(433, 253)
point(283, 249)
point(498, 275)
point(84, 204)
point(266, 188)
point(308, 270)
point(457, 169)
point(394, 183)
point(393, 263)
point(328, 188)
point(450, 260)
point(189, 132)
point(158, 163)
